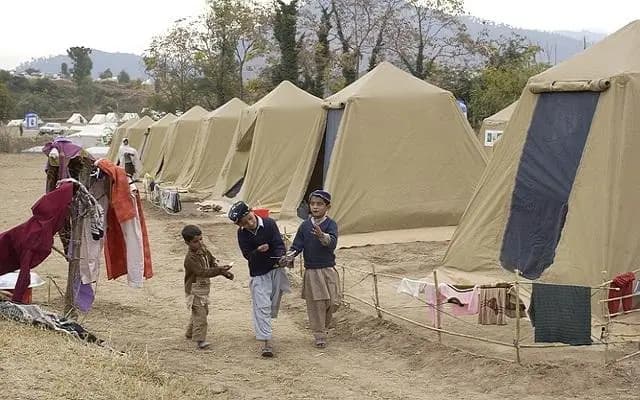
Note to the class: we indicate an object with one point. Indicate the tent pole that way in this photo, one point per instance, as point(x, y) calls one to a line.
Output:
point(74, 259)
point(375, 291)
point(438, 316)
point(516, 339)
point(605, 314)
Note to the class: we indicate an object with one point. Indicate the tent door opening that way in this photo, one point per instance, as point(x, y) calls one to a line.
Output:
point(319, 174)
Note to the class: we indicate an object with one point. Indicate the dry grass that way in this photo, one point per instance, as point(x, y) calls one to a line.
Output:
point(14, 144)
point(70, 369)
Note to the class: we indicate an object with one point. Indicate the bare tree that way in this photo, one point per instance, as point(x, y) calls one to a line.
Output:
point(170, 62)
point(429, 32)
point(361, 27)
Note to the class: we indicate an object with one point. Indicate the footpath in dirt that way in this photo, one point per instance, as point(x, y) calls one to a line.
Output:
point(366, 358)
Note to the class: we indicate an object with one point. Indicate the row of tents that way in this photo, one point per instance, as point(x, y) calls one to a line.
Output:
point(395, 150)
point(99, 119)
point(557, 200)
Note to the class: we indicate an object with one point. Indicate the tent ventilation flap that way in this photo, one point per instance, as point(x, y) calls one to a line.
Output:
point(596, 85)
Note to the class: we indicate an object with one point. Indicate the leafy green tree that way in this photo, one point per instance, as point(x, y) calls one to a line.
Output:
point(82, 64)
point(6, 103)
point(123, 77)
point(510, 64)
point(284, 30)
point(64, 70)
point(106, 74)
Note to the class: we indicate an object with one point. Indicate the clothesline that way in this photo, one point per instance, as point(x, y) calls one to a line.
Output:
point(562, 284)
point(619, 298)
point(610, 281)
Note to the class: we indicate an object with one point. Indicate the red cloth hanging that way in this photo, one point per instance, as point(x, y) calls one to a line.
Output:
point(121, 209)
point(625, 283)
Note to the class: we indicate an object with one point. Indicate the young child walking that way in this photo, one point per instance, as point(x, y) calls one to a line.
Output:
point(261, 244)
point(317, 238)
point(199, 267)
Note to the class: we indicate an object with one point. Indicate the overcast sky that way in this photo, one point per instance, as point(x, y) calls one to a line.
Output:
point(36, 28)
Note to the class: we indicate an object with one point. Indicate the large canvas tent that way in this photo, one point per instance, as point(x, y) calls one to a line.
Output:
point(116, 139)
point(98, 119)
point(136, 132)
point(268, 144)
point(177, 143)
point(77, 119)
point(211, 146)
point(559, 198)
point(396, 153)
point(111, 118)
point(151, 149)
point(493, 127)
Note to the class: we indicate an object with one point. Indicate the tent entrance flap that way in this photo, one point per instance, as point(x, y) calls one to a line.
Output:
point(235, 189)
point(334, 116)
point(319, 173)
point(550, 158)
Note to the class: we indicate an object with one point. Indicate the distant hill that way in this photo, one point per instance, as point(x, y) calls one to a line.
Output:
point(102, 60)
point(556, 46)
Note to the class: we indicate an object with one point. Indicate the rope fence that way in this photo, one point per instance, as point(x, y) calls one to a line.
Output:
point(520, 339)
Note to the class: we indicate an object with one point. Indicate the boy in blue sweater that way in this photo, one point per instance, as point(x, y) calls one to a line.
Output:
point(262, 245)
point(317, 238)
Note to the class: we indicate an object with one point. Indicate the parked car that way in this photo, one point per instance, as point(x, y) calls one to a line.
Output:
point(51, 128)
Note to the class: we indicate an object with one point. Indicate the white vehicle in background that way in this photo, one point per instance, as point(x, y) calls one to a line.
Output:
point(51, 128)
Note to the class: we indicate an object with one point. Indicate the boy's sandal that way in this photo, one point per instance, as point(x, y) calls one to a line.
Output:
point(203, 345)
point(267, 351)
point(321, 343)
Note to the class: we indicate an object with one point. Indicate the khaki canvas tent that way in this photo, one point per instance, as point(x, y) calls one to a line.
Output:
point(493, 127)
point(98, 119)
point(111, 118)
point(559, 199)
point(116, 139)
point(211, 146)
point(77, 119)
point(177, 143)
point(269, 142)
point(136, 132)
point(152, 144)
point(396, 153)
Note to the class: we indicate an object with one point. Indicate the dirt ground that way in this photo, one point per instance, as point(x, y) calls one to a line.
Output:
point(367, 358)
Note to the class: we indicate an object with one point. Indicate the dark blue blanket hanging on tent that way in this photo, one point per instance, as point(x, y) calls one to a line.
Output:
point(550, 159)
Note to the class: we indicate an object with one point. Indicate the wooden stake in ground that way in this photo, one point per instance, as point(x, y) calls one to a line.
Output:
point(375, 291)
point(516, 339)
point(77, 222)
point(437, 305)
point(607, 316)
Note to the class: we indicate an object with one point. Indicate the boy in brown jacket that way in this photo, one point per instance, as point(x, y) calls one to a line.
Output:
point(199, 267)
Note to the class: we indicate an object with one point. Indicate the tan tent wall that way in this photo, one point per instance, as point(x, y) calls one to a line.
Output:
point(404, 156)
point(116, 139)
point(602, 226)
point(210, 147)
point(279, 138)
point(426, 178)
point(177, 144)
point(135, 133)
point(235, 165)
point(496, 122)
point(153, 146)
point(219, 127)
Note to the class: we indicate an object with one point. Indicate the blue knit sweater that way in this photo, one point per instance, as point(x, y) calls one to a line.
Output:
point(315, 254)
point(268, 233)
